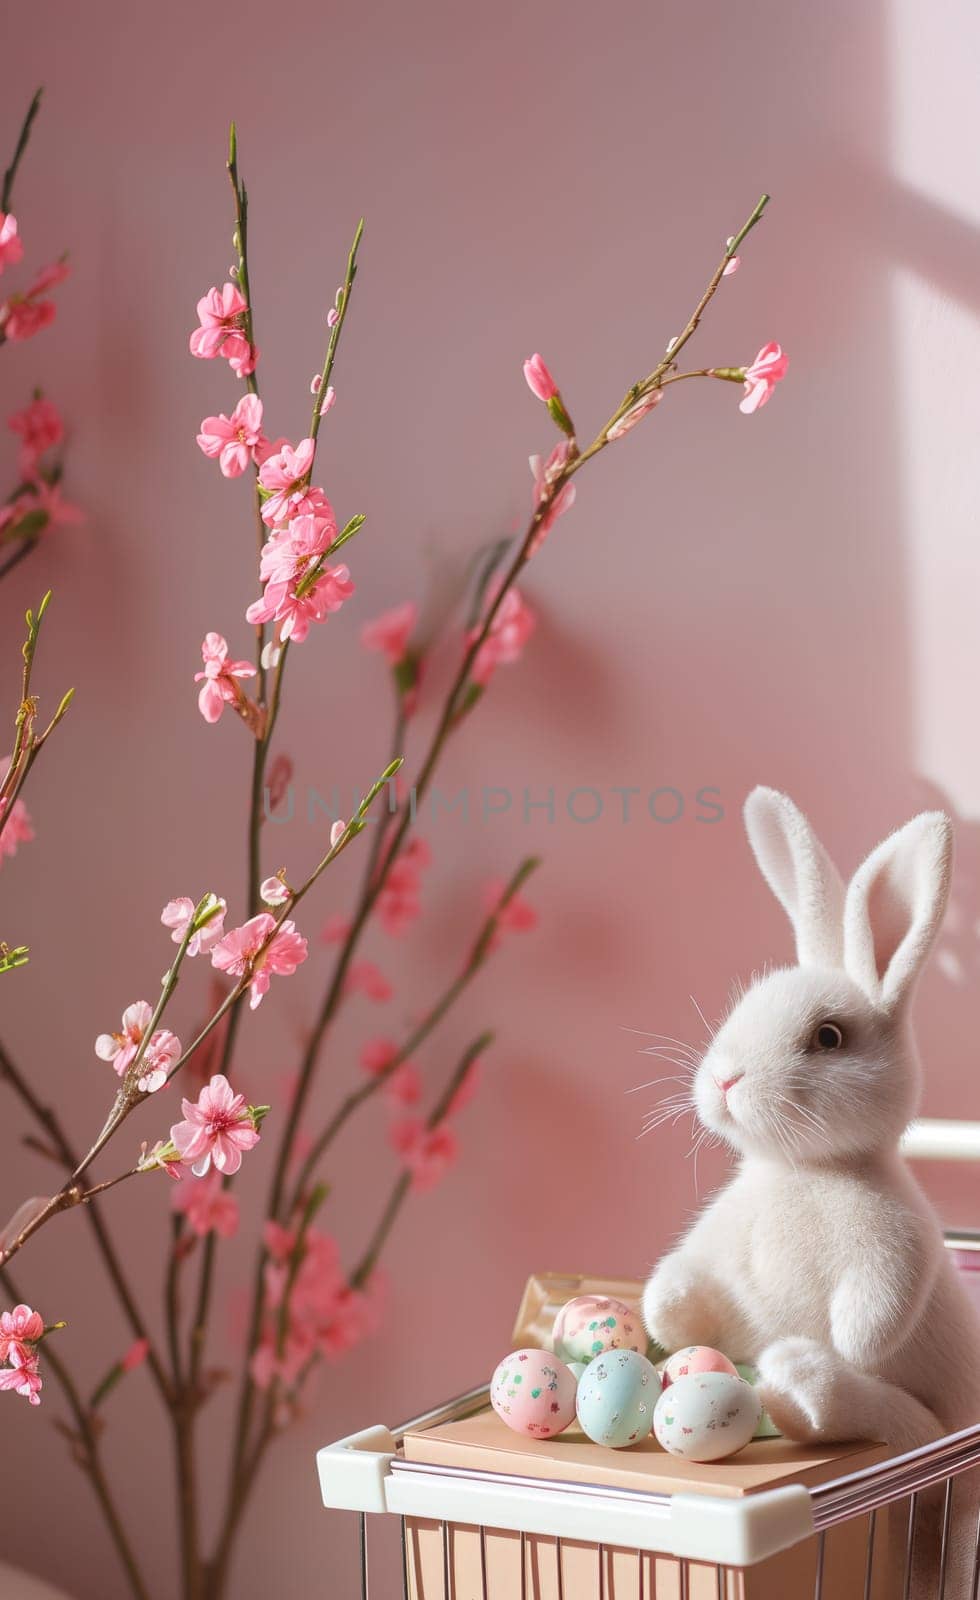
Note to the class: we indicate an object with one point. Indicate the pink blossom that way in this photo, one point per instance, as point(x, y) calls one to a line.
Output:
point(11, 246)
point(363, 977)
point(294, 612)
point(399, 901)
point(377, 1055)
point(326, 1315)
point(207, 1205)
point(121, 1048)
point(221, 314)
point(273, 892)
point(220, 678)
point(235, 440)
point(285, 474)
point(335, 929)
point(15, 828)
point(635, 414)
point(20, 1331)
point(280, 1242)
point(329, 397)
point(428, 1153)
point(510, 630)
point(40, 427)
point(466, 1091)
point(390, 632)
point(23, 1378)
point(288, 554)
point(240, 952)
point(23, 315)
point(217, 1127)
point(39, 496)
point(539, 379)
point(177, 915)
point(404, 1087)
point(517, 916)
point(545, 475)
point(761, 378)
point(732, 266)
point(135, 1355)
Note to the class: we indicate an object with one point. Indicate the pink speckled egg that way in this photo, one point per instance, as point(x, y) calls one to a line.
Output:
point(533, 1393)
point(696, 1358)
point(592, 1324)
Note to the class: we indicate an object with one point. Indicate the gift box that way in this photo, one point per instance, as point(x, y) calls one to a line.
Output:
point(457, 1562)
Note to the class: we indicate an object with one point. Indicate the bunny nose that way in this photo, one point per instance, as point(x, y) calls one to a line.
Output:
point(725, 1084)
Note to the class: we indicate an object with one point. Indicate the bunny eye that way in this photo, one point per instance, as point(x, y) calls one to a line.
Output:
point(828, 1036)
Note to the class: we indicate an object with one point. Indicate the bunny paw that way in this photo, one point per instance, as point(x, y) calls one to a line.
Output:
point(679, 1306)
point(800, 1387)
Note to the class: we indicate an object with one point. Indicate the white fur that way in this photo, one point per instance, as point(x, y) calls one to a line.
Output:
point(822, 1260)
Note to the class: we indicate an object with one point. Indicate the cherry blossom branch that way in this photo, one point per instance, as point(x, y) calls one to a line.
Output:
point(130, 1095)
point(27, 744)
point(369, 1260)
point(86, 1443)
point(62, 1147)
point(7, 192)
point(473, 964)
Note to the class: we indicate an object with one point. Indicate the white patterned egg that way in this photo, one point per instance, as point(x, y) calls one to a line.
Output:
point(707, 1416)
point(616, 1396)
point(592, 1323)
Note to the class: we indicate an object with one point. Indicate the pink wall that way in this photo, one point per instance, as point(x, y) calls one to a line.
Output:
point(788, 599)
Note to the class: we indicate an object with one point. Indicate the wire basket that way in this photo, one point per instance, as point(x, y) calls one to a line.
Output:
point(906, 1528)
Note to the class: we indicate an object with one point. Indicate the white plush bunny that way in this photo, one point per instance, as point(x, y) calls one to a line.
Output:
point(821, 1260)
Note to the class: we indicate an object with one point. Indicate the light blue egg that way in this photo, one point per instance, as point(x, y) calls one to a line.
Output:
point(616, 1396)
point(767, 1428)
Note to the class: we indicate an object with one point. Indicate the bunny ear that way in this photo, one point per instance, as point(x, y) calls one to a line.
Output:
point(800, 874)
point(895, 904)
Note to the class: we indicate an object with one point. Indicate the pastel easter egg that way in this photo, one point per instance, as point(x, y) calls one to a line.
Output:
point(696, 1358)
point(706, 1416)
point(533, 1393)
point(592, 1323)
point(767, 1428)
point(616, 1396)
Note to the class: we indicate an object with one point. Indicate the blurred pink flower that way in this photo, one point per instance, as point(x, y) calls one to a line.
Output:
point(377, 1055)
point(285, 474)
point(517, 916)
point(23, 1378)
point(539, 379)
point(510, 630)
point(221, 686)
point(238, 953)
point(335, 929)
point(176, 915)
point(20, 1330)
point(15, 828)
point(11, 246)
point(399, 901)
point(635, 414)
point(404, 1087)
point(135, 1355)
point(428, 1153)
point(217, 1127)
point(23, 315)
point(363, 977)
point(235, 440)
point(390, 632)
point(545, 474)
point(207, 1206)
point(761, 378)
point(466, 1091)
point(40, 427)
point(221, 314)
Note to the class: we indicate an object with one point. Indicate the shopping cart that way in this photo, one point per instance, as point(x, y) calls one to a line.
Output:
point(467, 1533)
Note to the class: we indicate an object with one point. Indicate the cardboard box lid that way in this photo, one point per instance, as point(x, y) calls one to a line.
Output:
point(484, 1443)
